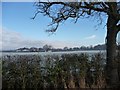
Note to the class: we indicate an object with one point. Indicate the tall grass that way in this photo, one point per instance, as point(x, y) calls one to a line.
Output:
point(66, 71)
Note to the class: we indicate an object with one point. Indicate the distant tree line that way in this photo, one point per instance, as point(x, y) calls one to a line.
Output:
point(47, 48)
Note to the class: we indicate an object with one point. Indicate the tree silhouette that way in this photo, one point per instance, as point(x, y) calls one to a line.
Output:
point(62, 11)
point(47, 47)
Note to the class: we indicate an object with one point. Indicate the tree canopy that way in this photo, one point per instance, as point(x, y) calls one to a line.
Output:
point(61, 11)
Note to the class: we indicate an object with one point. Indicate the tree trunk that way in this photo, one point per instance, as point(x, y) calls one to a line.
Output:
point(119, 64)
point(111, 64)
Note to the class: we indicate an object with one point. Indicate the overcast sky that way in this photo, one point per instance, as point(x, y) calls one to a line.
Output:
point(19, 30)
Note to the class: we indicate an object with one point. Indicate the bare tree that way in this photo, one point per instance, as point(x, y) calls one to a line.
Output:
point(62, 11)
point(47, 47)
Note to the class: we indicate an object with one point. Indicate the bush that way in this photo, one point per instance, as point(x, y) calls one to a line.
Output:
point(66, 71)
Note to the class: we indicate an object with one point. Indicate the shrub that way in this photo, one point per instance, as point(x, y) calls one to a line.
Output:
point(65, 71)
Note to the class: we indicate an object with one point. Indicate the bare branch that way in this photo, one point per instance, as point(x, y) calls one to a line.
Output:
point(53, 29)
point(73, 10)
point(92, 7)
point(35, 15)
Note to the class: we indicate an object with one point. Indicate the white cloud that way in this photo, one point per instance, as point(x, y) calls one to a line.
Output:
point(14, 40)
point(91, 37)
